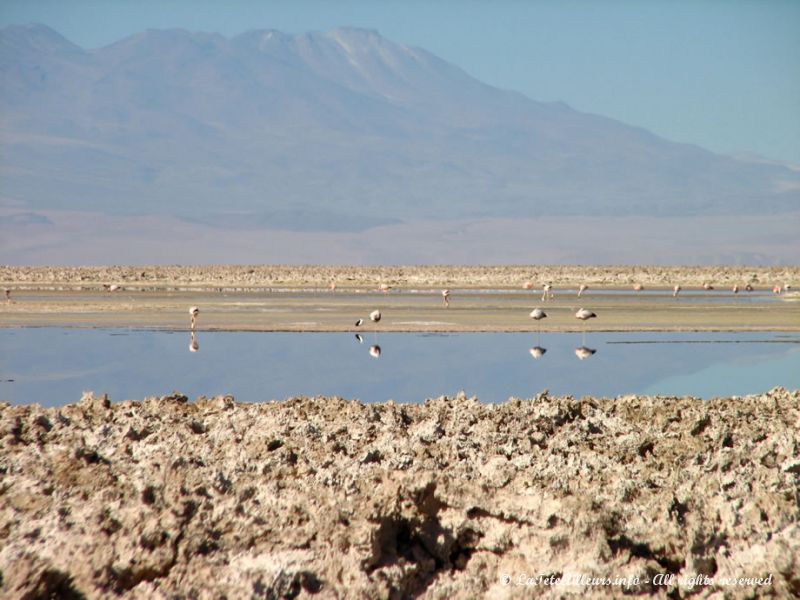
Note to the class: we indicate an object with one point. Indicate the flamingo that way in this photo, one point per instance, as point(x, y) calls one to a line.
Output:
point(375, 351)
point(537, 352)
point(583, 352)
point(193, 312)
point(776, 289)
point(111, 288)
point(446, 298)
point(384, 287)
point(375, 316)
point(707, 286)
point(528, 285)
point(676, 290)
point(748, 288)
point(8, 295)
point(735, 289)
point(332, 286)
point(547, 290)
point(638, 287)
point(359, 322)
point(582, 289)
point(537, 314)
point(584, 315)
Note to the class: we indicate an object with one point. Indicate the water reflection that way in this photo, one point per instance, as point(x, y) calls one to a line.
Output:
point(54, 366)
point(537, 352)
point(359, 339)
point(193, 345)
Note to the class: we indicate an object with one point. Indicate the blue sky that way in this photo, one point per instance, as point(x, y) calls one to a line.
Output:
point(721, 74)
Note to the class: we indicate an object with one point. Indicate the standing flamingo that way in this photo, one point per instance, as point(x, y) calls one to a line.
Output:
point(375, 316)
point(707, 286)
point(584, 315)
point(638, 287)
point(537, 314)
point(194, 311)
point(676, 290)
point(446, 298)
point(582, 289)
point(384, 287)
point(332, 286)
point(735, 289)
point(547, 292)
point(528, 285)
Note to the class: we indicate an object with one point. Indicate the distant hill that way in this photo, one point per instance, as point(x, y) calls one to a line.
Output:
point(337, 131)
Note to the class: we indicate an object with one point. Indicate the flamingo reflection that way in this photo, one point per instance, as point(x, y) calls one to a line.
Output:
point(193, 345)
point(583, 352)
point(375, 351)
point(537, 352)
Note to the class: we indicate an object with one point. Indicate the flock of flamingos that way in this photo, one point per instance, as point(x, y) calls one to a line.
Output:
point(537, 314)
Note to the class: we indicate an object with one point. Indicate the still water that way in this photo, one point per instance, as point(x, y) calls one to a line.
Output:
point(53, 366)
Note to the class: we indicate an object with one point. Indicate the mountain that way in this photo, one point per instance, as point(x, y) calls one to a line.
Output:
point(337, 131)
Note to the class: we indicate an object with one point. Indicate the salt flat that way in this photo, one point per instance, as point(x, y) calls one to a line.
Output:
point(284, 298)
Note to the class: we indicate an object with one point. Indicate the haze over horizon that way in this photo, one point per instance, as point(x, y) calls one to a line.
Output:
point(346, 147)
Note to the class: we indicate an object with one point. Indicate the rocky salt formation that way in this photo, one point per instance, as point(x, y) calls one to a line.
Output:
point(256, 277)
point(326, 498)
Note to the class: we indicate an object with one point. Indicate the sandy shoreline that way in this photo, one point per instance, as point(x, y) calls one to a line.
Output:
point(482, 299)
point(328, 498)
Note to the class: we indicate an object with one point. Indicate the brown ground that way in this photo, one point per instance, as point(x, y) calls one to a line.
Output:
point(325, 498)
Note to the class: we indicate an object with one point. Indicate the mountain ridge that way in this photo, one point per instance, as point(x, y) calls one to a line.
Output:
point(340, 130)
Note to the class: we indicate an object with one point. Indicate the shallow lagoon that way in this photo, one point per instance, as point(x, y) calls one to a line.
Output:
point(53, 366)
